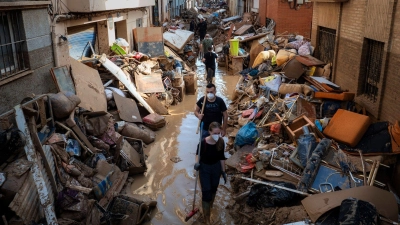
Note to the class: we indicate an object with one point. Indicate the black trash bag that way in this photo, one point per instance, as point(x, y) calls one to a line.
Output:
point(376, 139)
point(354, 211)
point(263, 196)
point(10, 141)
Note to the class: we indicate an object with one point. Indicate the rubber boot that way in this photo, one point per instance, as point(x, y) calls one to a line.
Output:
point(212, 200)
point(206, 212)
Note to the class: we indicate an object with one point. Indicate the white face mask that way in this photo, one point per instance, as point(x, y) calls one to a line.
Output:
point(215, 137)
point(210, 95)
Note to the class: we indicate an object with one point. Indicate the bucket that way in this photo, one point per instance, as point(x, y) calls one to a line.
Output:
point(234, 47)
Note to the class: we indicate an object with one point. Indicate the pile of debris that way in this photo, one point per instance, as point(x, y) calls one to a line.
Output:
point(68, 158)
point(300, 143)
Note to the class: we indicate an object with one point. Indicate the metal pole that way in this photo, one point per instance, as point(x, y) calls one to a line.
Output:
point(277, 186)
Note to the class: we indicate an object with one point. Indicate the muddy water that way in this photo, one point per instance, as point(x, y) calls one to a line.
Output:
point(172, 184)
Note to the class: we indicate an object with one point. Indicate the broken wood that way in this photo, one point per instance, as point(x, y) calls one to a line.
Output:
point(78, 188)
point(241, 196)
point(125, 79)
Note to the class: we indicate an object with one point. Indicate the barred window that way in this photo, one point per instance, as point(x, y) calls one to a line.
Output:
point(325, 44)
point(12, 43)
point(371, 68)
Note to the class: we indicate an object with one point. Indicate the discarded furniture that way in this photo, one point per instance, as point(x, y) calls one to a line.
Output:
point(347, 127)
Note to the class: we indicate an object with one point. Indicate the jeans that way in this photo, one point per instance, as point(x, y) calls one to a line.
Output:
point(209, 180)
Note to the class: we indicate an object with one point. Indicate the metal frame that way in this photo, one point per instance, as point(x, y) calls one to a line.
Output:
point(371, 68)
point(326, 42)
point(12, 43)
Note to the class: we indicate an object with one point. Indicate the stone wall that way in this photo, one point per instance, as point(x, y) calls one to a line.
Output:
point(40, 56)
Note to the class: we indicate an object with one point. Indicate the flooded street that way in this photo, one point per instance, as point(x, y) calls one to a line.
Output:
point(172, 184)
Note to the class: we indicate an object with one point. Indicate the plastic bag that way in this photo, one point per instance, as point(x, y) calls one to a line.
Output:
point(263, 196)
point(247, 134)
point(121, 42)
point(354, 211)
point(274, 84)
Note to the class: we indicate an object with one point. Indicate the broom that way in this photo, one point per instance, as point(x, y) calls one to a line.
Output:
point(195, 210)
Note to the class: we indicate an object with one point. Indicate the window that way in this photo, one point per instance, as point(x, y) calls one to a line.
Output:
point(12, 43)
point(139, 22)
point(371, 68)
point(325, 44)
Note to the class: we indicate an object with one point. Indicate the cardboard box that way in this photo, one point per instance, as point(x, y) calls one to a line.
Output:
point(177, 81)
point(190, 83)
point(182, 90)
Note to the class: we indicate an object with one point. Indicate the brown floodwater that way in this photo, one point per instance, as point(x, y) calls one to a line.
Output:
point(172, 184)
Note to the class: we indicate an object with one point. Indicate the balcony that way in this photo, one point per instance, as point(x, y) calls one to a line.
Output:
point(85, 6)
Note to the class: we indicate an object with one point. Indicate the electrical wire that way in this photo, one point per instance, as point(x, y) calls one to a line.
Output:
point(64, 6)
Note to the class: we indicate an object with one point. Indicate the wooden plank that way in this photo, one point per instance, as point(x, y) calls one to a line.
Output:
point(127, 109)
point(149, 40)
point(284, 178)
point(149, 83)
point(89, 87)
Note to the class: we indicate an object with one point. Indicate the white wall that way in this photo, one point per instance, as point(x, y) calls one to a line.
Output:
point(106, 33)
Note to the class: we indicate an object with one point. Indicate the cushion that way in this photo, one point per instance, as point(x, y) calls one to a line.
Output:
point(347, 127)
point(344, 96)
point(394, 131)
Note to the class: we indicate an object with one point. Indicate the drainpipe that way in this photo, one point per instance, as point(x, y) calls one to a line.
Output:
point(53, 36)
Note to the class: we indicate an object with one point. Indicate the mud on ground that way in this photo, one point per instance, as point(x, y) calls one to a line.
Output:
point(246, 215)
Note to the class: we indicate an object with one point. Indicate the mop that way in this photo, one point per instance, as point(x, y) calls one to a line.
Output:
point(195, 210)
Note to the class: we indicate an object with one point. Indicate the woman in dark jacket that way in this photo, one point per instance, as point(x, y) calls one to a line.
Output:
point(211, 167)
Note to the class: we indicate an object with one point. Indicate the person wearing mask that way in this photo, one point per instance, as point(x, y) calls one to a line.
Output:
point(214, 110)
point(209, 61)
point(211, 167)
point(202, 28)
point(192, 25)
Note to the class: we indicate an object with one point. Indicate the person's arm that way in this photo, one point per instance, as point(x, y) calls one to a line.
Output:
point(222, 165)
point(224, 123)
point(197, 111)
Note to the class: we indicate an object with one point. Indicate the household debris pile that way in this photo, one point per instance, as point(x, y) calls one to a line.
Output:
point(69, 158)
point(301, 149)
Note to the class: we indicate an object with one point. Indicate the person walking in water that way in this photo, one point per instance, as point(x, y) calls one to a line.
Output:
point(211, 167)
point(215, 110)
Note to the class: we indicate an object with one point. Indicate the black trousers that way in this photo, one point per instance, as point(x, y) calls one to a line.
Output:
point(209, 179)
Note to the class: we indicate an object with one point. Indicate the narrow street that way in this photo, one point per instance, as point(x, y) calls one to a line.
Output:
point(172, 184)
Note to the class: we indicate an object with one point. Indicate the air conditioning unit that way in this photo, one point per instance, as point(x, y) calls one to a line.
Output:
point(290, 0)
point(300, 2)
point(307, 1)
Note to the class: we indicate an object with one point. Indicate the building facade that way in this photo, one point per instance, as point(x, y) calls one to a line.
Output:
point(77, 23)
point(40, 35)
point(26, 55)
point(293, 16)
point(361, 39)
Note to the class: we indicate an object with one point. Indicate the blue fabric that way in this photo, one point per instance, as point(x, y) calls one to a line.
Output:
point(205, 134)
point(247, 135)
point(209, 179)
